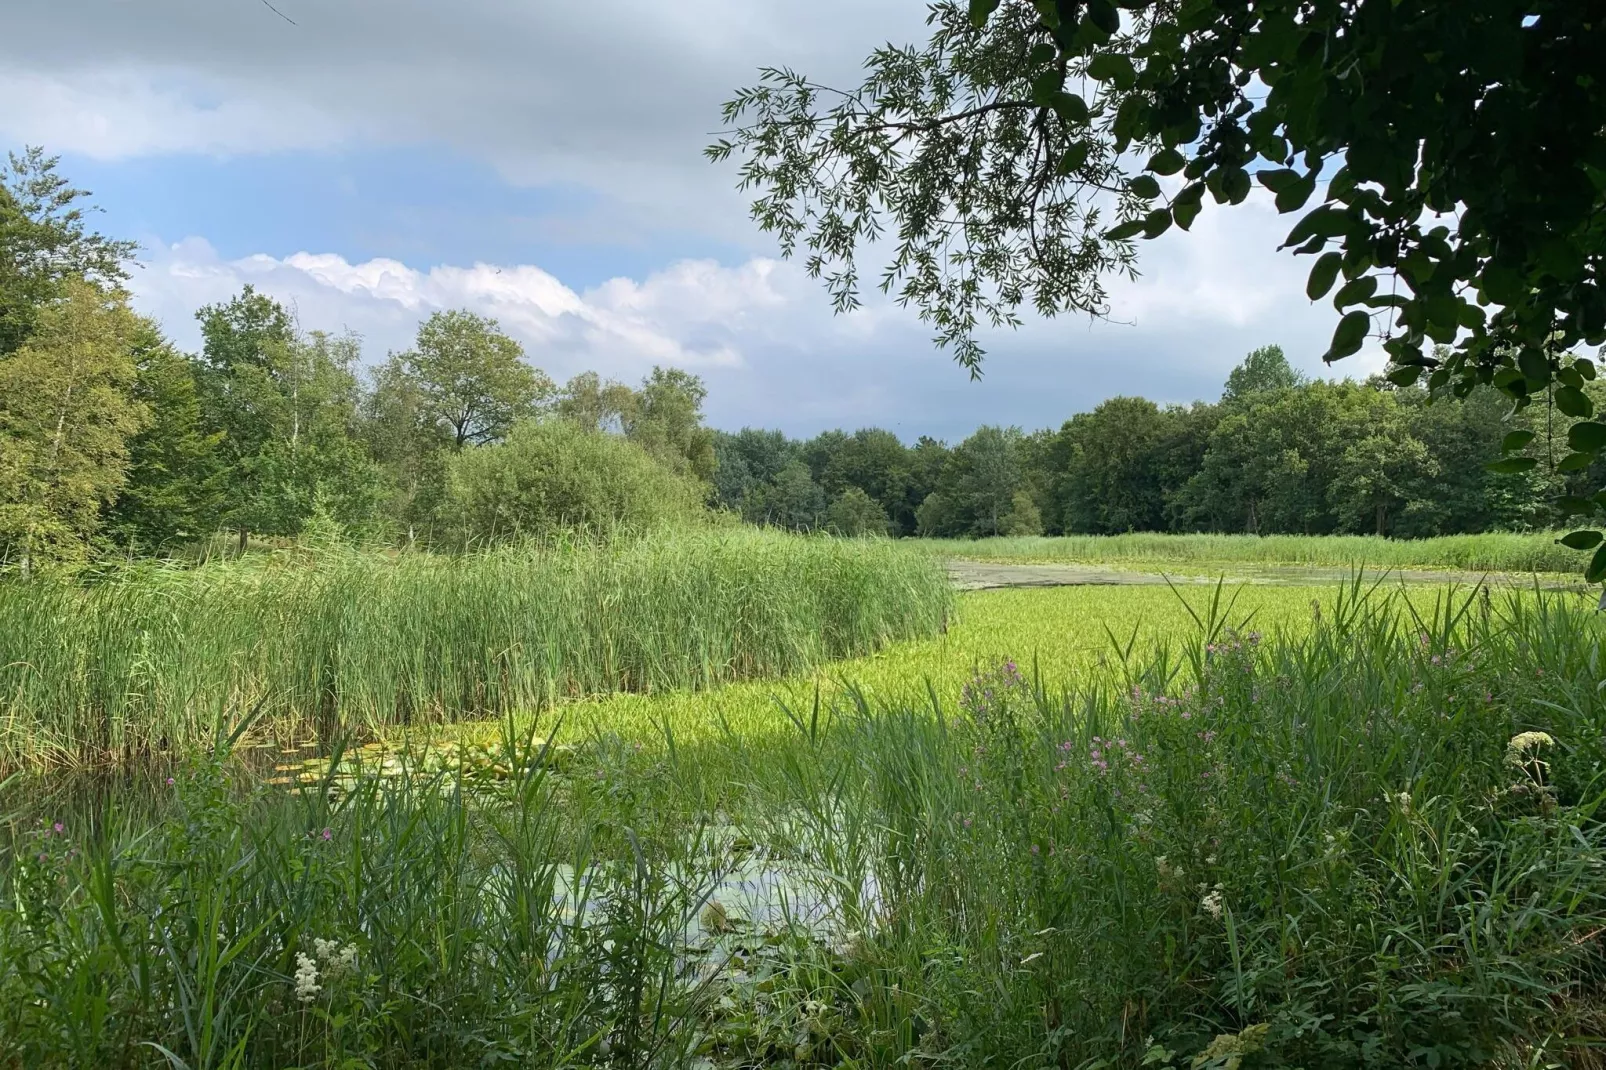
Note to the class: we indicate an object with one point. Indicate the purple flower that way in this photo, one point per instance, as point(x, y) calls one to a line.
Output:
point(328, 834)
point(59, 827)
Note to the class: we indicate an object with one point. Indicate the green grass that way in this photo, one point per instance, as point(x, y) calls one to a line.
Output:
point(346, 643)
point(1489, 552)
point(1327, 845)
point(1066, 633)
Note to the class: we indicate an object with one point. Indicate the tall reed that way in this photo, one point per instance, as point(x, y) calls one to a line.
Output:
point(1374, 842)
point(150, 657)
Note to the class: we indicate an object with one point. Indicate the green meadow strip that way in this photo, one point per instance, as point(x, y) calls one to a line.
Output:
point(1488, 552)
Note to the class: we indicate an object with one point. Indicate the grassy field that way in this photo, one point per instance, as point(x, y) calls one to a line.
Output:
point(1490, 552)
point(1337, 838)
point(149, 659)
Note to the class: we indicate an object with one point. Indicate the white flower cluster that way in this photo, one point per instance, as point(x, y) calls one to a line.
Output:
point(1212, 902)
point(1523, 742)
point(337, 961)
point(307, 987)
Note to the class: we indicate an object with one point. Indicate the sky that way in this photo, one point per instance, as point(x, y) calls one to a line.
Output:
point(369, 162)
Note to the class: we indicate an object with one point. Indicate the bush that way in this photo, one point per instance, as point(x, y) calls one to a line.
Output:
point(856, 513)
point(553, 475)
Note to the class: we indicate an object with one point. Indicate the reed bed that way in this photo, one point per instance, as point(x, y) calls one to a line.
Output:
point(150, 658)
point(1373, 841)
point(1488, 552)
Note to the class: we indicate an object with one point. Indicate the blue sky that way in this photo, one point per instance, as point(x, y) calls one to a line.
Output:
point(377, 160)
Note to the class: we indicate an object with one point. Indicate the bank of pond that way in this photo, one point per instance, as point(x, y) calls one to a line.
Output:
point(1373, 840)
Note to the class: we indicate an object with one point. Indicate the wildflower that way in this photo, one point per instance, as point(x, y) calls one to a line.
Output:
point(59, 827)
point(1523, 742)
point(169, 781)
point(328, 834)
point(307, 987)
point(1212, 902)
point(1402, 800)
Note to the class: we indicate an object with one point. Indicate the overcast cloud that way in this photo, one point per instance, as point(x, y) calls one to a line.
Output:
point(614, 98)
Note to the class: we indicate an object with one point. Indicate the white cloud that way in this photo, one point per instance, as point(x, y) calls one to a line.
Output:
point(764, 338)
point(114, 113)
point(688, 315)
point(617, 97)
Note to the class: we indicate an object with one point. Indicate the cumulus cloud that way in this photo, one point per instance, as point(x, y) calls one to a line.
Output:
point(764, 337)
point(688, 315)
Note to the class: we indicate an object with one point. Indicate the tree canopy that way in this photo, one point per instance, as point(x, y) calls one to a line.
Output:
point(1448, 158)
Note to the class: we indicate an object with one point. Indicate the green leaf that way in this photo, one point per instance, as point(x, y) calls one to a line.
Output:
point(1574, 506)
point(1074, 157)
point(1516, 441)
point(1167, 162)
point(1293, 198)
point(981, 11)
point(1510, 382)
point(1581, 540)
point(1355, 291)
point(1144, 186)
point(1348, 336)
point(1503, 285)
point(1575, 462)
point(1279, 179)
point(1102, 14)
point(1535, 368)
point(1070, 107)
point(1405, 376)
point(1597, 565)
point(1235, 185)
point(1041, 53)
point(1157, 222)
point(1574, 402)
point(1587, 437)
point(1125, 231)
point(1507, 466)
point(1185, 212)
point(1322, 275)
point(1112, 67)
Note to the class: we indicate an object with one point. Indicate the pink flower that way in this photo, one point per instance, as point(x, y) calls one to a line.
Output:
point(59, 827)
point(328, 834)
point(169, 781)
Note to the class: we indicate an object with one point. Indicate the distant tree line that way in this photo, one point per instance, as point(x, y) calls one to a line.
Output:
point(112, 439)
point(1277, 453)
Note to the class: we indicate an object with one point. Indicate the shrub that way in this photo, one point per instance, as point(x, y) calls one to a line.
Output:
point(554, 475)
point(856, 513)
